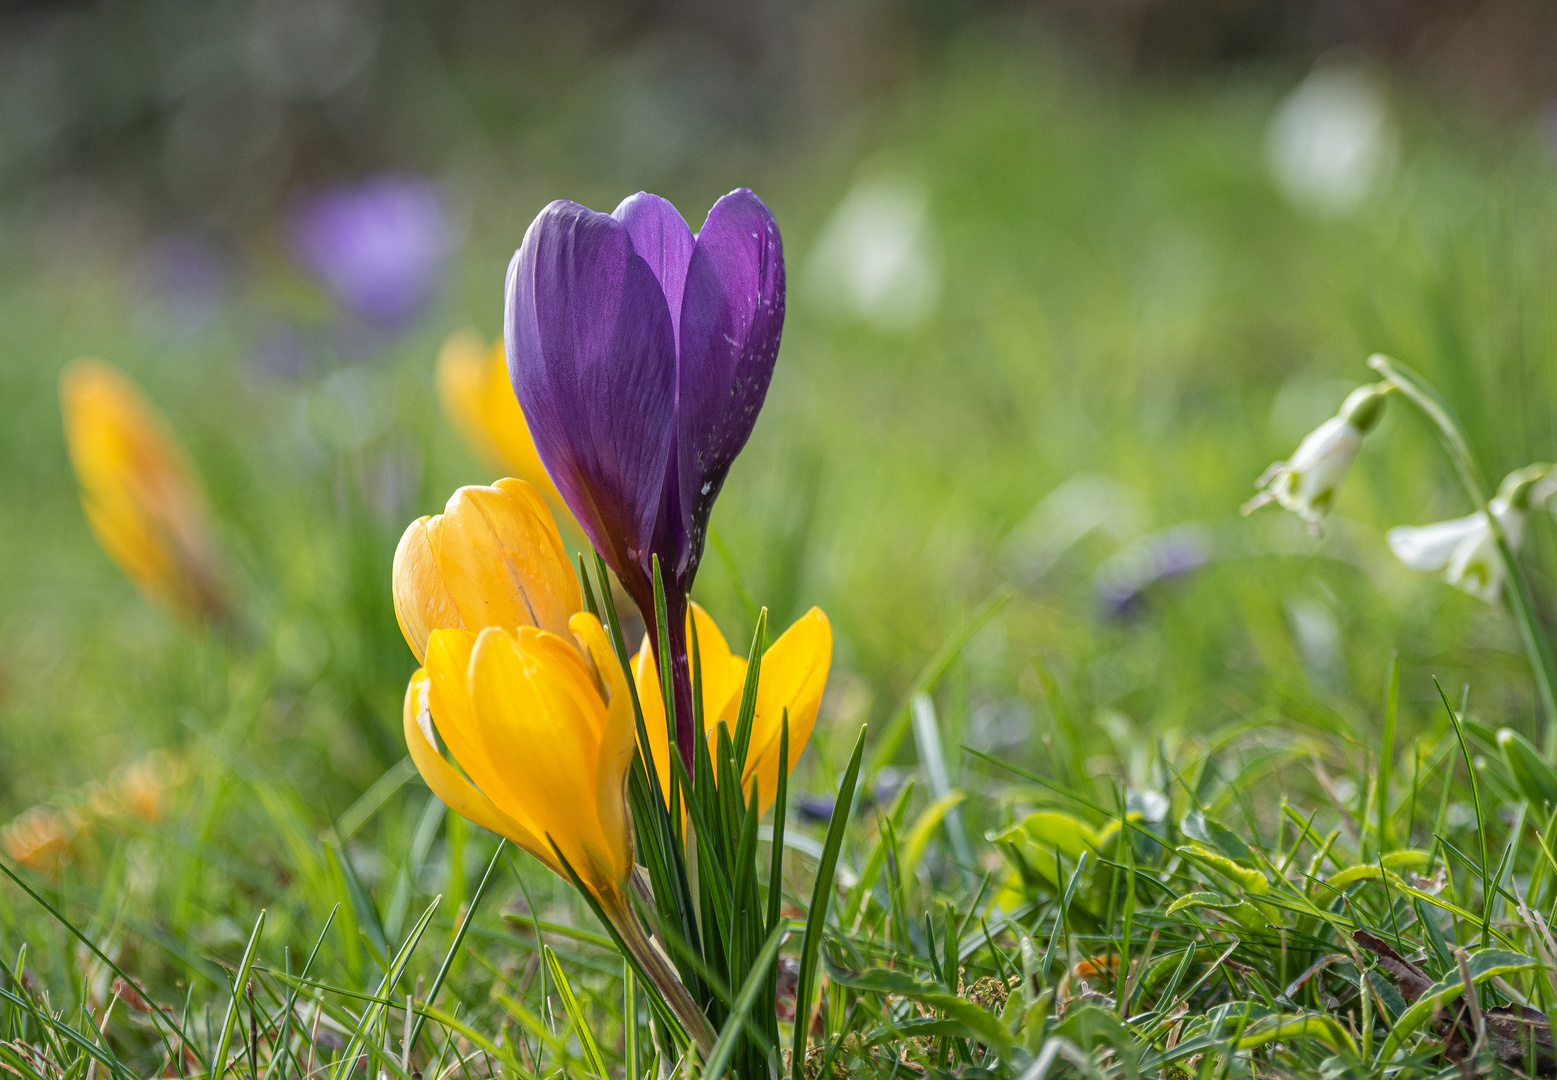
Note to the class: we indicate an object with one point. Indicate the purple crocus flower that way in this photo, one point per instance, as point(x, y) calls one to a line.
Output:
point(379, 246)
point(641, 354)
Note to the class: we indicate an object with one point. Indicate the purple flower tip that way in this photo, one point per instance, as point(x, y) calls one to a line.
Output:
point(379, 246)
point(641, 353)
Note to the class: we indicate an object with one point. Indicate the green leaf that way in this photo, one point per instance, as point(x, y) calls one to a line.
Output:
point(977, 1022)
point(1245, 912)
point(1030, 845)
point(570, 1005)
point(924, 826)
point(1535, 776)
point(1215, 835)
point(1394, 861)
point(724, 1047)
point(1483, 965)
point(1244, 877)
point(1314, 1026)
point(821, 896)
point(240, 980)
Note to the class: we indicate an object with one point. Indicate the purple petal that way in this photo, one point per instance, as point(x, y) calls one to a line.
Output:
point(661, 236)
point(732, 314)
point(593, 361)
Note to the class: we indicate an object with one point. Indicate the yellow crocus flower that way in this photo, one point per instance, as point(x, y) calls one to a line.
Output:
point(141, 498)
point(543, 728)
point(479, 398)
point(528, 697)
point(794, 672)
point(492, 558)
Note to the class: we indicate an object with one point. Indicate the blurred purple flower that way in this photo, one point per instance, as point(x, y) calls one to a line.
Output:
point(1163, 556)
point(380, 246)
point(641, 354)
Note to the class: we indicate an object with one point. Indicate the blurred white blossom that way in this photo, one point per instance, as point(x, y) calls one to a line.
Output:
point(876, 255)
point(1306, 483)
point(1332, 141)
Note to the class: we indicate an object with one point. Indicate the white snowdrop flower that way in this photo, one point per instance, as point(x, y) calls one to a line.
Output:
point(1463, 550)
point(876, 255)
point(1306, 483)
point(1332, 141)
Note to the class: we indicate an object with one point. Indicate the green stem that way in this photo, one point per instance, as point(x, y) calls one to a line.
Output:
point(1520, 599)
point(659, 970)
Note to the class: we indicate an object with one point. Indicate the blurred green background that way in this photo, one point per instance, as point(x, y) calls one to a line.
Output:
point(1064, 278)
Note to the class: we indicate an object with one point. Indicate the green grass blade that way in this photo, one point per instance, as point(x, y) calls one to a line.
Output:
point(931, 674)
point(1387, 753)
point(735, 1023)
point(580, 1022)
point(454, 946)
point(219, 1059)
point(821, 897)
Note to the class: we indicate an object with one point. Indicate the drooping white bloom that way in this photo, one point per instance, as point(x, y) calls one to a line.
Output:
point(1306, 483)
point(1332, 141)
point(1462, 550)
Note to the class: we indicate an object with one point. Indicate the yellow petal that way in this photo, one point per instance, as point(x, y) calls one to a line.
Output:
point(448, 671)
point(422, 600)
point(647, 675)
point(794, 673)
point(619, 734)
point(141, 498)
point(541, 714)
point(723, 674)
point(456, 792)
point(502, 560)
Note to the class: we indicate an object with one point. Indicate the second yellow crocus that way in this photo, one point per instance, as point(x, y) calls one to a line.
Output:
point(794, 673)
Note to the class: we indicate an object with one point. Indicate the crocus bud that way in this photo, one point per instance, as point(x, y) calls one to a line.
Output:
point(1307, 482)
point(492, 558)
point(1463, 551)
point(140, 495)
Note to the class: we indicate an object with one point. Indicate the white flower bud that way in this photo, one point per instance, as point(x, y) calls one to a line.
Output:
point(1306, 482)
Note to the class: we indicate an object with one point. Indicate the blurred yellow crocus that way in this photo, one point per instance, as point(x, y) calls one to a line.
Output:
point(492, 558)
point(141, 498)
point(479, 398)
point(794, 672)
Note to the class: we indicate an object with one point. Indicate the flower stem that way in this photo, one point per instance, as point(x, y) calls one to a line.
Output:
point(1520, 599)
point(657, 967)
point(680, 676)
